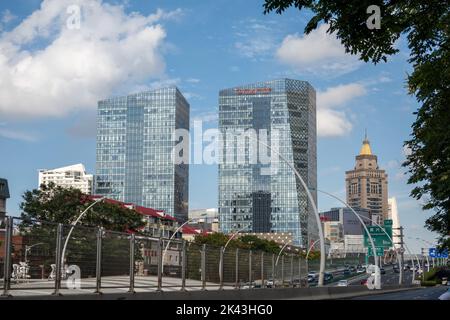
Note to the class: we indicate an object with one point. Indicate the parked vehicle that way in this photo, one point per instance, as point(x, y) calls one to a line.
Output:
point(342, 283)
point(382, 271)
point(360, 270)
point(328, 276)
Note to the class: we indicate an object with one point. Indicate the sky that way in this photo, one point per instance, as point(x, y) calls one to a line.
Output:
point(54, 68)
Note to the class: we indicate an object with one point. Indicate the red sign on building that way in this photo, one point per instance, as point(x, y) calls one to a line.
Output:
point(253, 91)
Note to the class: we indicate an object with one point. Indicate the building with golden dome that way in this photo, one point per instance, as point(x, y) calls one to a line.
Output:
point(367, 184)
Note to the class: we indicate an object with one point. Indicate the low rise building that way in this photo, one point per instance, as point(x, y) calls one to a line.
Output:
point(4, 194)
point(74, 176)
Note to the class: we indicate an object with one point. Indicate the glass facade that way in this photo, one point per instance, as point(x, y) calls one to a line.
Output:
point(135, 142)
point(273, 202)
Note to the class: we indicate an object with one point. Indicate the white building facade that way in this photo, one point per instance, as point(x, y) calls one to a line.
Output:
point(393, 214)
point(74, 176)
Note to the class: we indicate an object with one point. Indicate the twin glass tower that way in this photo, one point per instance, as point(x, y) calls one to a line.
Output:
point(135, 145)
point(255, 197)
point(134, 150)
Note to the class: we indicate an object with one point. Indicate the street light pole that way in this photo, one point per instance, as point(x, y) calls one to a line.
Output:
point(313, 205)
point(73, 226)
point(279, 254)
point(28, 248)
point(307, 255)
point(377, 268)
point(223, 252)
point(173, 236)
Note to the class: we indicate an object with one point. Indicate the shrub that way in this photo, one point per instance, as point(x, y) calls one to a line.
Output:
point(428, 283)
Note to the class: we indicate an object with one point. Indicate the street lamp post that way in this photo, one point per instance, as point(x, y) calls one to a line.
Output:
point(73, 226)
point(276, 263)
point(223, 252)
point(173, 236)
point(28, 248)
point(313, 205)
point(307, 255)
point(426, 255)
point(377, 268)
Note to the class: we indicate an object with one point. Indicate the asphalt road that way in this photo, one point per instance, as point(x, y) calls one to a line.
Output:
point(432, 293)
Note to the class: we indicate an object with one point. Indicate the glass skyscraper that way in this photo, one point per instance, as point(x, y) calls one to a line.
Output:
point(250, 197)
point(135, 145)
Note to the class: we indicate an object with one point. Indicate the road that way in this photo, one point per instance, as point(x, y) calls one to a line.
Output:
point(432, 293)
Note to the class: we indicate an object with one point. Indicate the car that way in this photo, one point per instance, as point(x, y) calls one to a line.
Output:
point(444, 281)
point(445, 295)
point(347, 272)
point(360, 270)
point(327, 276)
point(364, 282)
point(269, 283)
point(382, 271)
point(248, 285)
point(406, 267)
point(396, 270)
point(352, 269)
point(342, 283)
point(313, 274)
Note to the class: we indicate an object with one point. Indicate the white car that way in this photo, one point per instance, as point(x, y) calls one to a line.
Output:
point(445, 295)
point(342, 283)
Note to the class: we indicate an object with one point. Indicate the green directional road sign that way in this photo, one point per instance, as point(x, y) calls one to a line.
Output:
point(379, 236)
point(379, 250)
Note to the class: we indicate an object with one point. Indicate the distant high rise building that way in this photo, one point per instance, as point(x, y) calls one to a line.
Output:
point(74, 176)
point(351, 225)
point(276, 201)
point(4, 194)
point(135, 146)
point(367, 184)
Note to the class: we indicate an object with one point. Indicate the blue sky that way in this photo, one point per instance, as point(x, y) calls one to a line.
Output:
point(51, 78)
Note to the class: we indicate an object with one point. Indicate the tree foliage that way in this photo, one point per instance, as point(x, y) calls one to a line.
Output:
point(53, 203)
point(246, 242)
point(426, 27)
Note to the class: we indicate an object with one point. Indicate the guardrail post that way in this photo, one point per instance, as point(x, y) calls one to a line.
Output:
point(204, 267)
point(132, 253)
point(221, 267)
point(59, 236)
point(236, 286)
point(9, 221)
point(262, 269)
point(282, 271)
point(183, 266)
point(98, 265)
point(250, 268)
point(160, 263)
point(292, 270)
point(300, 271)
point(273, 271)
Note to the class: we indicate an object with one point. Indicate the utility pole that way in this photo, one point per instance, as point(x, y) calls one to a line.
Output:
point(402, 250)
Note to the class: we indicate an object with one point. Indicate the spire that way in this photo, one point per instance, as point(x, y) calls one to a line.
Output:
point(365, 149)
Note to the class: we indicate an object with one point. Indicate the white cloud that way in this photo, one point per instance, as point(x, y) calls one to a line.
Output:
point(318, 53)
point(12, 134)
point(193, 80)
point(332, 122)
point(7, 17)
point(72, 69)
point(255, 39)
